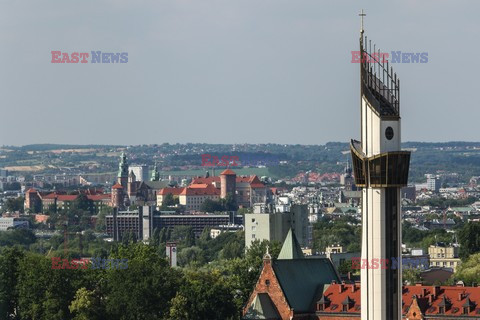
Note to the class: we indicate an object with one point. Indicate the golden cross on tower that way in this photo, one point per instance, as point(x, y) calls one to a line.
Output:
point(361, 14)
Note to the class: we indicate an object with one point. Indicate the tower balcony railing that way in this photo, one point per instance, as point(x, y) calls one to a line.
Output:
point(388, 169)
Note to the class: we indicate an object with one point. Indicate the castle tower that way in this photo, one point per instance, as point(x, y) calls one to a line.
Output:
point(117, 196)
point(32, 200)
point(155, 174)
point(122, 176)
point(228, 180)
point(132, 185)
point(380, 169)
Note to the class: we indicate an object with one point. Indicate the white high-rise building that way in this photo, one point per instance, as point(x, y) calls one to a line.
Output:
point(433, 183)
point(381, 170)
point(140, 171)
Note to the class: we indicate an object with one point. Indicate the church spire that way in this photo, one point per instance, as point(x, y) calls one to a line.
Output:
point(155, 174)
point(123, 166)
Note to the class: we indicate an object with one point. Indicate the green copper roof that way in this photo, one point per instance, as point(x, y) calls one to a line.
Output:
point(303, 279)
point(155, 174)
point(262, 308)
point(123, 166)
point(291, 248)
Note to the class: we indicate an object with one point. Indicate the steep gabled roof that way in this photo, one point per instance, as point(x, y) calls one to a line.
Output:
point(291, 247)
point(262, 308)
point(300, 280)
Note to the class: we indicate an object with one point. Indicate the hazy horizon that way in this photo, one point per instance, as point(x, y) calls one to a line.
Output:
point(182, 143)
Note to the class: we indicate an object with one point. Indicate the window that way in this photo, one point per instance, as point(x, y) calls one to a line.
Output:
point(253, 235)
point(267, 282)
point(441, 310)
point(254, 228)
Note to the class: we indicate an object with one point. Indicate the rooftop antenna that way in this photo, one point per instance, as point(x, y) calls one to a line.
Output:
point(361, 14)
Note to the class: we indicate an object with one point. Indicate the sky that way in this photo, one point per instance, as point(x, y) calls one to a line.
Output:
point(230, 71)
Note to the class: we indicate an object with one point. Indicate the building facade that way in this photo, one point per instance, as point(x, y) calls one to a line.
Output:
point(274, 226)
point(444, 256)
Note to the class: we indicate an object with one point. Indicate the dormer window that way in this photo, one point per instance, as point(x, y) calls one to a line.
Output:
point(441, 310)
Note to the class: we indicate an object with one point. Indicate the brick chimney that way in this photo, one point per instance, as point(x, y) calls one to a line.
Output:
point(436, 291)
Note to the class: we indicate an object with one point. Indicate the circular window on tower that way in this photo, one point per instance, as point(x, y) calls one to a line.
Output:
point(389, 133)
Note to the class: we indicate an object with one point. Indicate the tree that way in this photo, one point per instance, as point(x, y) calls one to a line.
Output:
point(13, 205)
point(469, 237)
point(45, 293)
point(191, 255)
point(231, 250)
point(9, 261)
point(411, 275)
point(230, 204)
point(86, 305)
point(145, 288)
point(82, 203)
point(203, 295)
point(168, 200)
point(469, 271)
point(211, 206)
point(183, 234)
point(345, 267)
point(22, 237)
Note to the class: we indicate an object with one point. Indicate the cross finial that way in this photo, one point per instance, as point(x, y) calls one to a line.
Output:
point(361, 14)
point(267, 255)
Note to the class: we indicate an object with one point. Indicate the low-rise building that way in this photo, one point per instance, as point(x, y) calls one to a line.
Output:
point(444, 256)
point(12, 223)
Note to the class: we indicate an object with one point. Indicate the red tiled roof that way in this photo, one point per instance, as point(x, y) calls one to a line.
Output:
point(202, 189)
point(241, 179)
point(174, 191)
point(97, 197)
point(429, 299)
point(209, 180)
point(199, 185)
point(228, 172)
point(117, 186)
point(32, 190)
point(61, 197)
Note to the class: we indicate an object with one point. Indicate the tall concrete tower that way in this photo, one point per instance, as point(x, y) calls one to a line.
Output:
point(380, 169)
